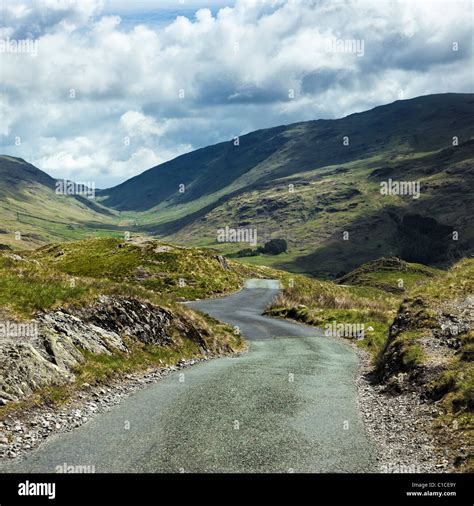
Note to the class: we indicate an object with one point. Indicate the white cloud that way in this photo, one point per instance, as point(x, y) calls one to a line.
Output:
point(35, 18)
point(136, 123)
point(234, 67)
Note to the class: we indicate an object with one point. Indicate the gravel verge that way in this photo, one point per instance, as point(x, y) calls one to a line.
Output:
point(401, 425)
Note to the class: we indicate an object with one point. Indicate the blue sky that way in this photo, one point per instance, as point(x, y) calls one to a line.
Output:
point(116, 87)
point(156, 13)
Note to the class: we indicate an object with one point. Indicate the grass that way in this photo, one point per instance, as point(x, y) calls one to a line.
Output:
point(27, 288)
point(390, 274)
point(75, 274)
point(321, 303)
point(183, 272)
point(101, 367)
point(80, 271)
point(413, 355)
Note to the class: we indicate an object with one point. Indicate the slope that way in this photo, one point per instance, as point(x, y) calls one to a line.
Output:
point(31, 213)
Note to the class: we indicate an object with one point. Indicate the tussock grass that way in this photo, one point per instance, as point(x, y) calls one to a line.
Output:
point(321, 303)
point(78, 272)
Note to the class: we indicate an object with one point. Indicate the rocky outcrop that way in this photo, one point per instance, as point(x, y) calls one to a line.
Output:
point(423, 341)
point(125, 317)
point(49, 355)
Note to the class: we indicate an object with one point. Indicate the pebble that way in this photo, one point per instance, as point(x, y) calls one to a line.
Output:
point(400, 425)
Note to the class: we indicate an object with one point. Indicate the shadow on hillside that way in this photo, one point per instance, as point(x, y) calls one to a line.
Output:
point(421, 233)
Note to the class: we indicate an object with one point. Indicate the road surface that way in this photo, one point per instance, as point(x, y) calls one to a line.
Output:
point(289, 405)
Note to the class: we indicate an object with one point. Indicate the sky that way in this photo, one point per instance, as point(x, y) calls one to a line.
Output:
point(101, 90)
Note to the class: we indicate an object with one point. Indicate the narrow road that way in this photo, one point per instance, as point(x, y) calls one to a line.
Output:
point(289, 405)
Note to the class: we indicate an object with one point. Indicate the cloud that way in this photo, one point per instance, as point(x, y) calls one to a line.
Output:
point(199, 80)
point(35, 18)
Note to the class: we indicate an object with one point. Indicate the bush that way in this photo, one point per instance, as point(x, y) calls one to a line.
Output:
point(274, 247)
point(247, 252)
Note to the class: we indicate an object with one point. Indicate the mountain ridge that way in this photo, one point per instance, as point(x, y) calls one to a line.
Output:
point(120, 197)
point(336, 189)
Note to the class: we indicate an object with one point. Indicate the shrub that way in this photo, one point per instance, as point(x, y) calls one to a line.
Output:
point(274, 247)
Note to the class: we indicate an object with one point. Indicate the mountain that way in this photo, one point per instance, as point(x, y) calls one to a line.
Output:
point(336, 168)
point(316, 184)
point(267, 155)
point(16, 174)
point(30, 206)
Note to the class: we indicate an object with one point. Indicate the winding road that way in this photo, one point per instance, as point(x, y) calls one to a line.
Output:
point(288, 405)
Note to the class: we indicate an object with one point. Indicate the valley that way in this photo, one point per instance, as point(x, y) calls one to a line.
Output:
point(373, 231)
point(297, 182)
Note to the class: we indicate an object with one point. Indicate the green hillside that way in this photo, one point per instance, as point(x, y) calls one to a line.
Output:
point(346, 198)
point(302, 183)
point(389, 274)
point(161, 268)
point(32, 214)
point(316, 184)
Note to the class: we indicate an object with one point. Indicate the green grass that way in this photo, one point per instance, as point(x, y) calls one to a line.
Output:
point(27, 288)
point(413, 355)
point(158, 267)
point(97, 368)
point(390, 274)
point(34, 293)
point(86, 269)
point(79, 271)
point(320, 303)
